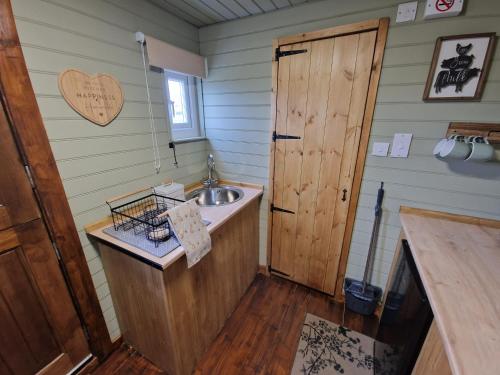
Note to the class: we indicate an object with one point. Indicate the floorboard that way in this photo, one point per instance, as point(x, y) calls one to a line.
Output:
point(260, 337)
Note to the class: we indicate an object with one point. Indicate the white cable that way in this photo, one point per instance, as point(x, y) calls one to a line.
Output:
point(154, 137)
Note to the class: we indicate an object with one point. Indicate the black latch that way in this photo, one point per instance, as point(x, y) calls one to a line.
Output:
point(278, 53)
point(274, 208)
point(283, 136)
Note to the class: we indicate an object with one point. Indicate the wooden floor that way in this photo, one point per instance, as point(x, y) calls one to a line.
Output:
point(261, 335)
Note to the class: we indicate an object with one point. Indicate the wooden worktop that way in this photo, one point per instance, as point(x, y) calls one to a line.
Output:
point(216, 215)
point(458, 259)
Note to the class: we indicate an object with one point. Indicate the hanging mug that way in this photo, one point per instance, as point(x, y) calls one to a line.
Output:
point(439, 146)
point(455, 148)
point(481, 150)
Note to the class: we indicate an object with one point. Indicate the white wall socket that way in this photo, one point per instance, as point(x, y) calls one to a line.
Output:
point(407, 12)
point(401, 145)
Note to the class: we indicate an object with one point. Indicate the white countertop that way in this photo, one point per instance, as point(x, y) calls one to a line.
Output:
point(216, 215)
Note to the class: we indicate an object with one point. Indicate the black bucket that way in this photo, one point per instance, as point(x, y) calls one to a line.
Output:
point(361, 301)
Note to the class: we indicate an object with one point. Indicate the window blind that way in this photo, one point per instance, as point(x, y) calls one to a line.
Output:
point(166, 56)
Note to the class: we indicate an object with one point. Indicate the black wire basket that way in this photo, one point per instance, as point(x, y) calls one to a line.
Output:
point(145, 216)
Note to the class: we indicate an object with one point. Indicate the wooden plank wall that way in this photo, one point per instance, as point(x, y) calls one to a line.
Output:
point(237, 107)
point(97, 163)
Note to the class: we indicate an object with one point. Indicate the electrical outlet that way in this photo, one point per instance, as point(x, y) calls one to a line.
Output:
point(401, 145)
point(407, 12)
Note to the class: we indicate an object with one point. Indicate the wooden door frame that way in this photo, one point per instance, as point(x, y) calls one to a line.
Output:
point(29, 132)
point(380, 25)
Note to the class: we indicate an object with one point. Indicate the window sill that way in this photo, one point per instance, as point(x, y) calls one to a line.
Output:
point(188, 140)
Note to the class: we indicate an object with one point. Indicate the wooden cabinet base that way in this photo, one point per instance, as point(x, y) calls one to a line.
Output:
point(432, 359)
point(171, 316)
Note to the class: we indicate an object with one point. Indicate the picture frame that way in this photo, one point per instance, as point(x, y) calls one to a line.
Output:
point(459, 67)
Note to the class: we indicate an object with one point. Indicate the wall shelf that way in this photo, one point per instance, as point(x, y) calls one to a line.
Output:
point(491, 131)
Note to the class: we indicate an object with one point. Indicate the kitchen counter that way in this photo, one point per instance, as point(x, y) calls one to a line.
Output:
point(171, 313)
point(458, 258)
point(216, 215)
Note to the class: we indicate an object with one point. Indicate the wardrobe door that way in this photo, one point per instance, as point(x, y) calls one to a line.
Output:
point(321, 97)
point(15, 188)
point(39, 325)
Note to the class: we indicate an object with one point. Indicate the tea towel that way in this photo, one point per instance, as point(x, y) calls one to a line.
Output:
point(190, 231)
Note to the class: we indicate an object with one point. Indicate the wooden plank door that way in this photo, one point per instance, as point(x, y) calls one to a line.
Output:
point(39, 326)
point(321, 98)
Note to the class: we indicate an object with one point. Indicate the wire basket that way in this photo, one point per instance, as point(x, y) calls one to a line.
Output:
point(145, 216)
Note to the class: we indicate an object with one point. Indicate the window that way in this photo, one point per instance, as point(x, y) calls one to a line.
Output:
point(184, 105)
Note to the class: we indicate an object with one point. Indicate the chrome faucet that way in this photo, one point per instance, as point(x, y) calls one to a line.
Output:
point(210, 181)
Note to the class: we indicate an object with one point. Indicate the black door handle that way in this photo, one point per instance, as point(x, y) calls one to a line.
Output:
point(343, 196)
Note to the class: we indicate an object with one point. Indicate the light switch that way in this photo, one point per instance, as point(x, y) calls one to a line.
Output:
point(401, 145)
point(380, 149)
point(407, 12)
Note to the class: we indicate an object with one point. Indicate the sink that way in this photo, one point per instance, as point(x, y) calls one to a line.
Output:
point(219, 196)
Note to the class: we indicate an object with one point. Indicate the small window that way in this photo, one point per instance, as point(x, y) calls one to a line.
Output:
point(184, 105)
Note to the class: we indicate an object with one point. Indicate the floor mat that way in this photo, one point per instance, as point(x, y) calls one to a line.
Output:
point(326, 348)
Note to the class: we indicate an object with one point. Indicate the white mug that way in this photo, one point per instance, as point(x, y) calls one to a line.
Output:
point(439, 146)
point(455, 148)
point(481, 150)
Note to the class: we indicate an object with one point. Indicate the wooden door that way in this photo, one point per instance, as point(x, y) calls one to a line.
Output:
point(39, 327)
point(321, 97)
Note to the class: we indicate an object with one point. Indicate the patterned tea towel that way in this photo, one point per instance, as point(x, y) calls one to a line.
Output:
point(190, 231)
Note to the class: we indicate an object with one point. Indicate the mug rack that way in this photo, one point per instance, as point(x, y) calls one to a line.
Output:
point(490, 131)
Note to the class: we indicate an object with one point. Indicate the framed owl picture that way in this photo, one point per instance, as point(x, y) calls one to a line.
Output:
point(459, 67)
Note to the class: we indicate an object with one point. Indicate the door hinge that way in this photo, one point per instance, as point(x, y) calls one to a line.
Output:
point(86, 331)
point(274, 208)
point(30, 176)
point(278, 53)
point(279, 272)
point(283, 136)
point(58, 253)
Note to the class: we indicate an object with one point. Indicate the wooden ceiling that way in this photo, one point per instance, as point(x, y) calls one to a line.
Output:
point(207, 12)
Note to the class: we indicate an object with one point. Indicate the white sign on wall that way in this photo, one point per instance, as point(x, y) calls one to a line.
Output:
point(443, 8)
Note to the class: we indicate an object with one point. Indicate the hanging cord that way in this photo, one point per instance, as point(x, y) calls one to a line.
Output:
point(172, 146)
point(154, 137)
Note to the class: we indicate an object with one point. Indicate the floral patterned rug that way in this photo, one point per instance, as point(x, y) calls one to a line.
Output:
point(326, 348)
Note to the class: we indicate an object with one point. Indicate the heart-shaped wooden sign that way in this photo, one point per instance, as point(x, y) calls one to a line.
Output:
point(98, 98)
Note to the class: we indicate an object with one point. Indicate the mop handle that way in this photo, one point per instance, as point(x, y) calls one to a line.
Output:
point(373, 239)
point(380, 197)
